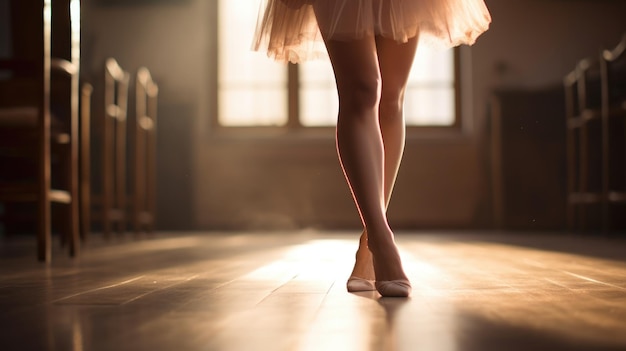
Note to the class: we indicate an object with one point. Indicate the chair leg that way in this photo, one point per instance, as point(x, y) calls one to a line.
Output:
point(85, 164)
point(74, 235)
point(107, 179)
point(122, 203)
point(44, 249)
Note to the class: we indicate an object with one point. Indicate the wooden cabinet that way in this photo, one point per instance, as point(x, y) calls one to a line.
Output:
point(528, 163)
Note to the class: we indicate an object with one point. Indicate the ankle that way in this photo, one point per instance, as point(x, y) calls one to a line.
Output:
point(380, 240)
point(363, 240)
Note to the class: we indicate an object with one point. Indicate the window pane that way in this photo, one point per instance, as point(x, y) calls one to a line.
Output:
point(253, 107)
point(318, 95)
point(429, 106)
point(429, 99)
point(252, 88)
point(432, 65)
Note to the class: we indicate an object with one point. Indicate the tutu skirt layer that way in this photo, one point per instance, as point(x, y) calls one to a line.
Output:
point(293, 30)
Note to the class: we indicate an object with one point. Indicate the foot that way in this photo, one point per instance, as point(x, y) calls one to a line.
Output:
point(356, 284)
point(391, 281)
point(393, 288)
point(362, 277)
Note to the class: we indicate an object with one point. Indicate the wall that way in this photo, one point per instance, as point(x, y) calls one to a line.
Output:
point(5, 26)
point(534, 43)
point(171, 39)
point(216, 180)
point(531, 45)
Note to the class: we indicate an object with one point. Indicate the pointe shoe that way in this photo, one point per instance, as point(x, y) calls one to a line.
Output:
point(356, 284)
point(393, 288)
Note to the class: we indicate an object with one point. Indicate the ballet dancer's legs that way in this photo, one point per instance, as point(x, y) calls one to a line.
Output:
point(360, 140)
point(395, 61)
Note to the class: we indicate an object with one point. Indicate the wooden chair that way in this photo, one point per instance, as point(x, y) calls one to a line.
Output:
point(583, 114)
point(114, 149)
point(596, 138)
point(143, 198)
point(38, 81)
point(613, 70)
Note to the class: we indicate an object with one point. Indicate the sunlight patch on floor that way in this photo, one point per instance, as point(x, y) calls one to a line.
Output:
point(327, 259)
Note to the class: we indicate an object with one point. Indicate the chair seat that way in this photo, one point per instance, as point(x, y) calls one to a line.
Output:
point(28, 193)
point(25, 118)
point(19, 117)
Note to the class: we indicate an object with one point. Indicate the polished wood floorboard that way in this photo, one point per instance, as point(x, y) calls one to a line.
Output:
point(286, 291)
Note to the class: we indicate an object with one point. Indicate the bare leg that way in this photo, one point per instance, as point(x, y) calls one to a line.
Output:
point(395, 61)
point(360, 146)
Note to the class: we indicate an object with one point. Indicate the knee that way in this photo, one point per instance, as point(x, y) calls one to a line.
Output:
point(362, 95)
point(391, 102)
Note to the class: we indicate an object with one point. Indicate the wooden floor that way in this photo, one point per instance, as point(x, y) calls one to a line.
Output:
point(286, 291)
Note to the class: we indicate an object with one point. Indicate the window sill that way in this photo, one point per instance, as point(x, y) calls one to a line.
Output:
point(326, 134)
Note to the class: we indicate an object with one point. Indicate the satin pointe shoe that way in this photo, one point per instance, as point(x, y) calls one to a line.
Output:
point(393, 288)
point(356, 284)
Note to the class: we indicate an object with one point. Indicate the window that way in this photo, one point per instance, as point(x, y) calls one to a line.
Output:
point(255, 91)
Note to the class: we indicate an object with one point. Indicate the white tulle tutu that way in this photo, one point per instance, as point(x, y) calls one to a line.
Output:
point(291, 30)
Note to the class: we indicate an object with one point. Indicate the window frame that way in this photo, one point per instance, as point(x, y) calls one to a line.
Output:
point(293, 126)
